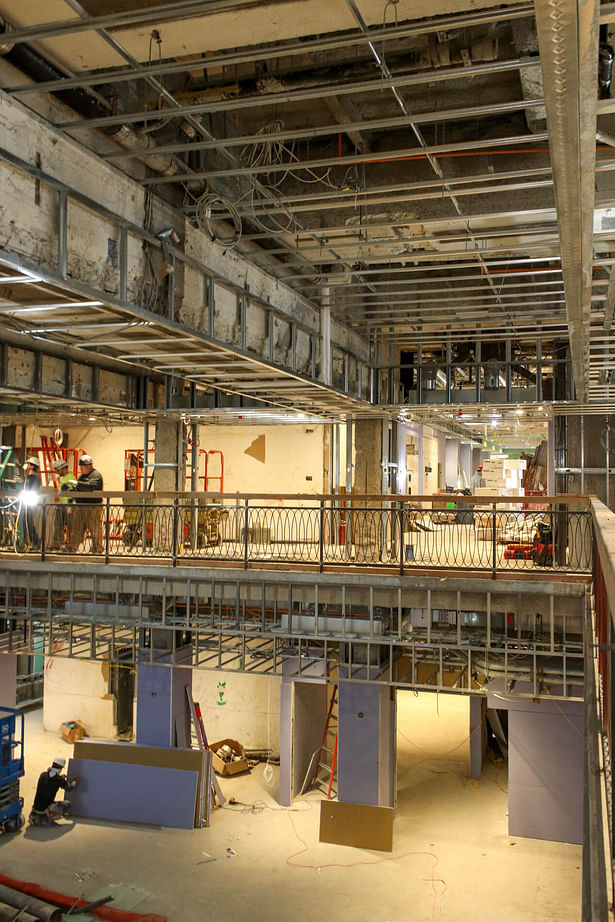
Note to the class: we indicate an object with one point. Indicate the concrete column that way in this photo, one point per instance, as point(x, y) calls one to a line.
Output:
point(169, 451)
point(465, 461)
point(366, 744)
point(368, 470)
point(169, 458)
point(476, 735)
point(163, 712)
point(451, 462)
point(325, 336)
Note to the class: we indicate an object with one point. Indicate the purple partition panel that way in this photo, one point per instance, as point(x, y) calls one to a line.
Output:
point(134, 793)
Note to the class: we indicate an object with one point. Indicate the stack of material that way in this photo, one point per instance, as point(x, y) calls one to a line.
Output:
point(16, 905)
point(139, 784)
point(535, 479)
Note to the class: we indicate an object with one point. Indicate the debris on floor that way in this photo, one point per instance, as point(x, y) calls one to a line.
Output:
point(72, 903)
point(229, 757)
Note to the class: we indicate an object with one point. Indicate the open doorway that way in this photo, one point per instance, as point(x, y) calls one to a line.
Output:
point(122, 687)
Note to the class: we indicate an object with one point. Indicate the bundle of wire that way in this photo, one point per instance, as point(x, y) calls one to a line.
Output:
point(211, 207)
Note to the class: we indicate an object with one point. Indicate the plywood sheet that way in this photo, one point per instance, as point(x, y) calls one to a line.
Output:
point(358, 825)
point(134, 793)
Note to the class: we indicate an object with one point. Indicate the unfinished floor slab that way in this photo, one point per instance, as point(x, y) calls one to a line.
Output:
point(452, 858)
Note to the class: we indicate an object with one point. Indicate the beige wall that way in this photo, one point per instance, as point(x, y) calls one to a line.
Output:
point(292, 454)
point(75, 689)
point(250, 712)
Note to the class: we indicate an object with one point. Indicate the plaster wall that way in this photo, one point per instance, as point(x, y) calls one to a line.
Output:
point(78, 690)
point(241, 707)
point(292, 455)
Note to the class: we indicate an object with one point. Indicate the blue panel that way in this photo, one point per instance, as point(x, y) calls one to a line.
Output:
point(134, 793)
point(154, 724)
point(358, 766)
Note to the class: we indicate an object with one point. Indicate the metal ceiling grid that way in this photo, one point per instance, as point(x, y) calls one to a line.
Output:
point(364, 263)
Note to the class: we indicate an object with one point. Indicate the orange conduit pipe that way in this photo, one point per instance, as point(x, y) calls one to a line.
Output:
point(68, 902)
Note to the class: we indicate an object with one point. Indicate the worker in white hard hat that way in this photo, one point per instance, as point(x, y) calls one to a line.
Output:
point(87, 512)
point(58, 514)
point(45, 809)
point(32, 489)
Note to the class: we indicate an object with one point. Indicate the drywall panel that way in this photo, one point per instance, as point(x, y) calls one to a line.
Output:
point(365, 744)
point(545, 773)
point(134, 793)
point(132, 754)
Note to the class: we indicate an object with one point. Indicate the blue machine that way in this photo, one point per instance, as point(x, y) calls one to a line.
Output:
point(11, 769)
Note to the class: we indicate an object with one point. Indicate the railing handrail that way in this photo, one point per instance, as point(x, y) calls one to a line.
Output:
point(564, 499)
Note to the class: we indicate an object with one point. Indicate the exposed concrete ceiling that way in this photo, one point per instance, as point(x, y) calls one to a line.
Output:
point(391, 158)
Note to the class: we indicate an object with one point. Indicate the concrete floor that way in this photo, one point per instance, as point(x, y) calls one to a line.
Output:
point(452, 858)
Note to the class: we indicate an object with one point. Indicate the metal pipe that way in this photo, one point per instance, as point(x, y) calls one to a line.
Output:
point(15, 898)
point(10, 913)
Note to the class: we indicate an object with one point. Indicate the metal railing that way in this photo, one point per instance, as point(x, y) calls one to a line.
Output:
point(401, 533)
point(599, 831)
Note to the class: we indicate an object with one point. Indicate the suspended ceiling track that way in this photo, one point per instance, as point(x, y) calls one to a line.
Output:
point(256, 55)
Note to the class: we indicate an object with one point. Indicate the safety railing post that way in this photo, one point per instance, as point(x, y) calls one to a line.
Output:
point(107, 526)
point(246, 519)
point(43, 529)
point(494, 541)
point(321, 537)
point(402, 548)
point(175, 529)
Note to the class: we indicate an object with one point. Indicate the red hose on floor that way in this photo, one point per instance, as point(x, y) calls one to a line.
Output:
point(102, 912)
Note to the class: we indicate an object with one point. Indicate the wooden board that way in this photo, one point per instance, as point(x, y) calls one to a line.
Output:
point(358, 825)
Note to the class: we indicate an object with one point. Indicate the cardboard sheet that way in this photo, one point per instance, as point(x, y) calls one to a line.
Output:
point(358, 825)
point(134, 793)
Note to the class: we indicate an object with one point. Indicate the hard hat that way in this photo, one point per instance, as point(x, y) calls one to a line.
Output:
point(59, 760)
point(86, 459)
point(60, 464)
point(33, 461)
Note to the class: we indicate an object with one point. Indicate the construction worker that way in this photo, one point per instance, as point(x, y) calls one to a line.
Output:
point(86, 514)
point(58, 514)
point(32, 489)
point(45, 810)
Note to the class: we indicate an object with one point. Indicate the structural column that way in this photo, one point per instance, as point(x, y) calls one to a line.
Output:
point(368, 478)
point(169, 472)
